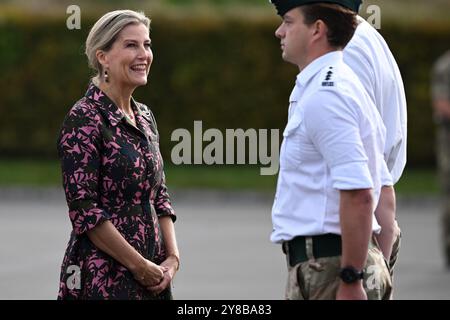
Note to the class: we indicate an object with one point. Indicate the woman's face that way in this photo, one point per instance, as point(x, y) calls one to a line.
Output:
point(129, 59)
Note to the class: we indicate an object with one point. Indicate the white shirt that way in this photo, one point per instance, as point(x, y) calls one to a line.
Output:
point(368, 55)
point(334, 140)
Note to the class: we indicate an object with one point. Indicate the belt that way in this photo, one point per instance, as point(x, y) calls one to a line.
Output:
point(325, 245)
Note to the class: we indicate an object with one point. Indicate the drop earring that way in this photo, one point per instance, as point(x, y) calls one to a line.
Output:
point(106, 76)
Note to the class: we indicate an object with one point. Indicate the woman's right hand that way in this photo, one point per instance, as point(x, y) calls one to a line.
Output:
point(149, 273)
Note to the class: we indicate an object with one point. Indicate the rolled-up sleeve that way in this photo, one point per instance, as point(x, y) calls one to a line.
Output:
point(386, 177)
point(163, 206)
point(333, 127)
point(80, 159)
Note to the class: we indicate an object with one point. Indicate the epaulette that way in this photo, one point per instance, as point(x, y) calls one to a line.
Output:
point(327, 82)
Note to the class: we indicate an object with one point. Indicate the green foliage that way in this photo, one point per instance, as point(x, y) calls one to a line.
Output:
point(48, 173)
point(226, 72)
point(416, 49)
point(30, 173)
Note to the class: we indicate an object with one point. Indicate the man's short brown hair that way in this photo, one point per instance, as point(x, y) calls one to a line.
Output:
point(341, 22)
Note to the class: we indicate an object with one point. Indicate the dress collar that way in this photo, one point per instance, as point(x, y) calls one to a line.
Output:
point(109, 108)
point(106, 105)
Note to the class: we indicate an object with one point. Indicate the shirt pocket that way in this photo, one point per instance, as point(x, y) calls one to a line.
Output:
point(290, 156)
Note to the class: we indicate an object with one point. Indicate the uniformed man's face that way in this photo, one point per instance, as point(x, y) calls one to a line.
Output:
point(294, 36)
point(128, 61)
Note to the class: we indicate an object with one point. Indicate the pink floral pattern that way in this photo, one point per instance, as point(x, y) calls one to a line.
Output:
point(111, 171)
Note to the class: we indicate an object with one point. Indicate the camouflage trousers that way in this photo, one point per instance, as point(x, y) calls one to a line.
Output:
point(394, 255)
point(318, 279)
point(443, 158)
point(395, 249)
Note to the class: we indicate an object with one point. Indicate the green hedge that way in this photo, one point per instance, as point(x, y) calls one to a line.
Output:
point(226, 72)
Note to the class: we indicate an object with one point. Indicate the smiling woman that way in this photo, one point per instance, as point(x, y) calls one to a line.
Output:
point(118, 48)
point(123, 243)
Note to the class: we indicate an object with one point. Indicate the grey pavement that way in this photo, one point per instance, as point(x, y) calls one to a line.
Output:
point(223, 240)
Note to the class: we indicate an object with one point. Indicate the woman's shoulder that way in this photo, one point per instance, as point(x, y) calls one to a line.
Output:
point(84, 113)
point(84, 107)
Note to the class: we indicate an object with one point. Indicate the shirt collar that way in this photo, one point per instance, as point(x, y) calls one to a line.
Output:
point(359, 19)
point(318, 64)
point(108, 107)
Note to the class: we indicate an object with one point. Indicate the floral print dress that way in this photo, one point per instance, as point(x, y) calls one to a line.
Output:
point(111, 171)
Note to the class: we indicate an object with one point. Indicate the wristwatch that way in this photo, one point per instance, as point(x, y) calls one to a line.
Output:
point(350, 275)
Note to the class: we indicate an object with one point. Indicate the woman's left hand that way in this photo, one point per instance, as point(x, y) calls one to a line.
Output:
point(171, 263)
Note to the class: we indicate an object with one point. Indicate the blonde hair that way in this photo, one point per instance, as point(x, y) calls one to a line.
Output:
point(105, 32)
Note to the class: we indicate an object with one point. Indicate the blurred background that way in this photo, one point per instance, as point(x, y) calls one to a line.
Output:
point(217, 61)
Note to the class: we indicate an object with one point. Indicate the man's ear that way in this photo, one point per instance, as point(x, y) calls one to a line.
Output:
point(320, 29)
point(102, 58)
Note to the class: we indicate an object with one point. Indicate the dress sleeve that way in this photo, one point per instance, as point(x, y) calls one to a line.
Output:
point(78, 150)
point(163, 206)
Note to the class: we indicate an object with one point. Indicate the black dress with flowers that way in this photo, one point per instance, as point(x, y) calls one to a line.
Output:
point(111, 171)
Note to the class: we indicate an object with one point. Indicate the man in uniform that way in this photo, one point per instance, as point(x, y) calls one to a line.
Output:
point(331, 161)
point(441, 106)
point(370, 58)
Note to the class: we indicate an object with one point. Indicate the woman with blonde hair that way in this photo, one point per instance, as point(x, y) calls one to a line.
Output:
point(123, 243)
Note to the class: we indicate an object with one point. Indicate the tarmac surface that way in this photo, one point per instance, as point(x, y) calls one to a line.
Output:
point(224, 243)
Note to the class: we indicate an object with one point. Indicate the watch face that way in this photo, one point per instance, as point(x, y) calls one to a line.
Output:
point(350, 275)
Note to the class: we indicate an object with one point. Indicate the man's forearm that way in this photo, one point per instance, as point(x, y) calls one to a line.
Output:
point(356, 226)
point(385, 214)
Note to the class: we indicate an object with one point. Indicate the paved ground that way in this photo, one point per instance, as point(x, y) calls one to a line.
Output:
point(224, 243)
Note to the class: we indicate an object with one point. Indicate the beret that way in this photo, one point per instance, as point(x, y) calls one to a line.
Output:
point(284, 6)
